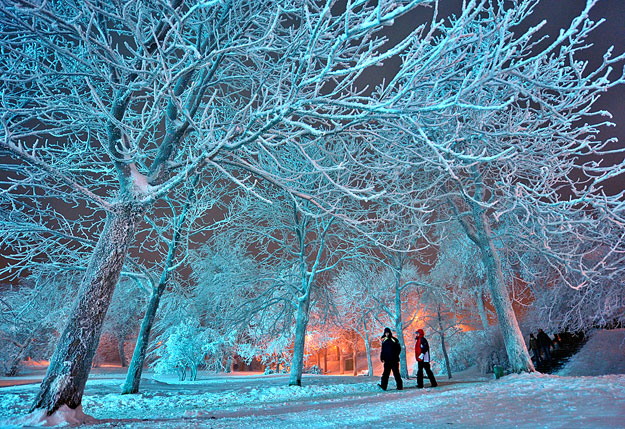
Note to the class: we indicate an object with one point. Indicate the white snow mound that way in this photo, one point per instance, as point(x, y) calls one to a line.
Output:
point(64, 416)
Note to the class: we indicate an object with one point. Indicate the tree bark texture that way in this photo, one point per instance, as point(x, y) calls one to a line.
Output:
point(516, 349)
point(297, 365)
point(479, 299)
point(64, 382)
point(133, 376)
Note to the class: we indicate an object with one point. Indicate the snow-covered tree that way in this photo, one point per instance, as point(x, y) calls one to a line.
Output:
point(517, 143)
point(32, 315)
point(355, 306)
point(304, 247)
point(397, 296)
point(110, 108)
point(122, 318)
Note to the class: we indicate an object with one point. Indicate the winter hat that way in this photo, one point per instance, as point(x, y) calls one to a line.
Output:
point(420, 332)
point(387, 330)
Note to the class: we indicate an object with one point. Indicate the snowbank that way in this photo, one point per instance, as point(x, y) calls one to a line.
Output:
point(64, 416)
point(603, 354)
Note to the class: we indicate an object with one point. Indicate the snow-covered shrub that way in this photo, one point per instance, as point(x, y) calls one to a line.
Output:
point(481, 348)
point(313, 370)
point(183, 348)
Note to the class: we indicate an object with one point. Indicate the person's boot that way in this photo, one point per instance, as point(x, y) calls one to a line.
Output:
point(380, 386)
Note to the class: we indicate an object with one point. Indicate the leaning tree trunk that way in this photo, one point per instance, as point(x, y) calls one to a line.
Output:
point(133, 376)
point(297, 365)
point(14, 368)
point(70, 364)
point(516, 349)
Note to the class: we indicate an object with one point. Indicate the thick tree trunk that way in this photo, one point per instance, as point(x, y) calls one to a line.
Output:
point(297, 365)
point(479, 299)
point(516, 349)
point(69, 368)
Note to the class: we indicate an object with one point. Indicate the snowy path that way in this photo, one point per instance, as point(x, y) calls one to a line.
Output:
point(324, 401)
point(258, 401)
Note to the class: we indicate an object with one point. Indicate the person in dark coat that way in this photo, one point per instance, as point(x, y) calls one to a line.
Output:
point(534, 348)
point(389, 355)
point(422, 353)
point(544, 343)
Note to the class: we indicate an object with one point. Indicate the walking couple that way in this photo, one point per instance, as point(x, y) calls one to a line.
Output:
point(389, 355)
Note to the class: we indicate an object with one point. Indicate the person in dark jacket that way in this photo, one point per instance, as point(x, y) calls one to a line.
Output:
point(544, 343)
point(422, 353)
point(534, 348)
point(389, 355)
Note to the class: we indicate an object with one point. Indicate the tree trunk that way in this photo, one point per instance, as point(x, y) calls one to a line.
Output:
point(14, 368)
point(69, 368)
point(121, 341)
point(369, 361)
point(133, 376)
point(399, 328)
point(355, 371)
point(341, 362)
point(325, 360)
point(516, 349)
point(297, 364)
point(479, 299)
point(443, 346)
point(228, 368)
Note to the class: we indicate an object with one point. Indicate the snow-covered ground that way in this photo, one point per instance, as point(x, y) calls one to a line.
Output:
point(467, 400)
